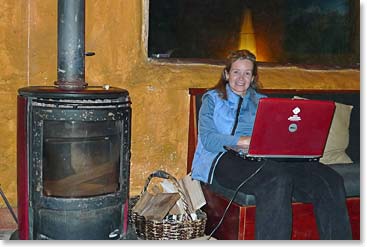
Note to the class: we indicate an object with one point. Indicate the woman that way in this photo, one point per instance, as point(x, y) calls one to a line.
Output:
point(226, 118)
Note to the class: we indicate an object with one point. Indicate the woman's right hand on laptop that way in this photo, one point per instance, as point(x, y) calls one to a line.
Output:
point(244, 141)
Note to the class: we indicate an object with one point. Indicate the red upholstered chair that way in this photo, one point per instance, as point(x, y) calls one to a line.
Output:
point(239, 222)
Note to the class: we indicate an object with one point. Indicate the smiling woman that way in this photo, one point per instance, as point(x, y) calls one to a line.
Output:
point(240, 76)
point(284, 31)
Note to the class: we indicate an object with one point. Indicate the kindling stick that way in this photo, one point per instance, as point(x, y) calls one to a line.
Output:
point(8, 205)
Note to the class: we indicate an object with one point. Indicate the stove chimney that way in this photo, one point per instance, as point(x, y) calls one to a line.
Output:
point(70, 45)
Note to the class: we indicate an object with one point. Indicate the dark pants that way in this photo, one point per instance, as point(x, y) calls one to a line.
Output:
point(277, 183)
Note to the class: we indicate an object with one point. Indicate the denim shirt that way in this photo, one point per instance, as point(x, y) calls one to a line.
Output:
point(216, 120)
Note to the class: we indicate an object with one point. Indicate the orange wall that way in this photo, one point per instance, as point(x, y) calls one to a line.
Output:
point(115, 32)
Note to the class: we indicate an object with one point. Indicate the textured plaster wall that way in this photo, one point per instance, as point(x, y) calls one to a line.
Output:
point(115, 32)
point(12, 75)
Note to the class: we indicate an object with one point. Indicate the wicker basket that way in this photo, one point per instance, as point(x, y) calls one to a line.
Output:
point(172, 227)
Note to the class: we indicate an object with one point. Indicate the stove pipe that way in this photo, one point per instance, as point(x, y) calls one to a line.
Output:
point(70, 45)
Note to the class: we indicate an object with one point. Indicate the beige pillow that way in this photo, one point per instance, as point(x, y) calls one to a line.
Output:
point(338, 139)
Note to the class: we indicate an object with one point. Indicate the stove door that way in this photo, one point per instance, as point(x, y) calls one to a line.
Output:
point(80, 160)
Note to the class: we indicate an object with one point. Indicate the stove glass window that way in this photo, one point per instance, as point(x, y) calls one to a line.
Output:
point(81, 159)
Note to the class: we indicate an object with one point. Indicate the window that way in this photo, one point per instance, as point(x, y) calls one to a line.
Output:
point(321, 32)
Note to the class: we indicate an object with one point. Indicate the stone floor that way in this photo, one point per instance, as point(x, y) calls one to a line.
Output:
point(7, 223)
point(8, 227)
point(5, 234)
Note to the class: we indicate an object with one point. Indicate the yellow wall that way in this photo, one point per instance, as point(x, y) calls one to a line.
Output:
point(114, 31)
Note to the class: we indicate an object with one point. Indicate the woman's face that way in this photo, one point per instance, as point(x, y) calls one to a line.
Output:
point(240, 76)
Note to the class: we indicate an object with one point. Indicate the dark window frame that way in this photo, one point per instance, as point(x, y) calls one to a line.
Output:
point(211, 61)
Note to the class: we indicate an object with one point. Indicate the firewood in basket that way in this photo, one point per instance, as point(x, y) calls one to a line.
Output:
point(156, 207)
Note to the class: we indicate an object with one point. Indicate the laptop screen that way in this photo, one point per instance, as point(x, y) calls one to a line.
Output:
point(286, 127)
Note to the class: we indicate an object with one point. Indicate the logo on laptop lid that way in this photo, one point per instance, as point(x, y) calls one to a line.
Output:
point(295, 116)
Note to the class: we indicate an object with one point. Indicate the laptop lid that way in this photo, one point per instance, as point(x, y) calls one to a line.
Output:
point(291, 128)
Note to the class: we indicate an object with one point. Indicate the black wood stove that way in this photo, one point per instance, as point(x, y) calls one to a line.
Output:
point(73, 148)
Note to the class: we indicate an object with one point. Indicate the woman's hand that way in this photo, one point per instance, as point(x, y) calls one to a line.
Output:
point(244, 141)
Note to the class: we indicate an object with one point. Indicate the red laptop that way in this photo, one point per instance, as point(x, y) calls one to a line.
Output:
point(290, 128)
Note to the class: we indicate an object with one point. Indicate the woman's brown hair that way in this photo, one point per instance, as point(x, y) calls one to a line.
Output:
point(233, 57)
